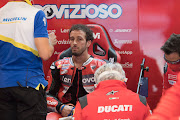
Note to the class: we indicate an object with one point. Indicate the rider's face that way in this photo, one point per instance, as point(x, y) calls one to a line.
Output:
point(78, 42)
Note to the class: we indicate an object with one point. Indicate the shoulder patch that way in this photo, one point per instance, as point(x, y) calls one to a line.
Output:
point(58, 63)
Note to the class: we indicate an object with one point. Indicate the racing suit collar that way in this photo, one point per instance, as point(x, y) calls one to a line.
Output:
point(109, 83)
point(85, 63)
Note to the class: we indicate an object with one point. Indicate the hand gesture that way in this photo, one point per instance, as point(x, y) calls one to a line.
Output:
point(52, 38)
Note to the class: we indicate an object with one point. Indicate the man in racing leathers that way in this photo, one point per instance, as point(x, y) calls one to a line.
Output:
point(73, 77)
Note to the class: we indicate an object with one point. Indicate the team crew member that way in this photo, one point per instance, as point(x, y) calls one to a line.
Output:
point(23, 42)
point(171, 50)
point(111, 100)
point(168, 107)
point(73, 77)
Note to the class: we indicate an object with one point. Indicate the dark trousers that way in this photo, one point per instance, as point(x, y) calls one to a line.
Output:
point(21, 103)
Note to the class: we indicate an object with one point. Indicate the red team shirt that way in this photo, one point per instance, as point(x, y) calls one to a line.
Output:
point(112, 101)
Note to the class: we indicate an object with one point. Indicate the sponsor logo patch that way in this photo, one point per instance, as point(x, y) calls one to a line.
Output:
point(112, 92)
point(114, 108)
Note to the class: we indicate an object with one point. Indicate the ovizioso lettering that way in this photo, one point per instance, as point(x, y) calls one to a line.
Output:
point(81, 11)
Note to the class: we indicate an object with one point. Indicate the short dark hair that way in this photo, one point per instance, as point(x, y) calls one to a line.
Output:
point(84, 28)
point(172, 44)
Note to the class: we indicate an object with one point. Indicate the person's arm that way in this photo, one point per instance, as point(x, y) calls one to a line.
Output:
point(56, 82)
point(64, 109)
point(44, 45)
point(45, 50)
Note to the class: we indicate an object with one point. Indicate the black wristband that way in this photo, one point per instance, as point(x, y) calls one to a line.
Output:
point(58, 106)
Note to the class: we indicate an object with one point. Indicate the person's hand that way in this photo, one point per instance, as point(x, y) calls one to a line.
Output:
point(52, 38)
point(66, 109)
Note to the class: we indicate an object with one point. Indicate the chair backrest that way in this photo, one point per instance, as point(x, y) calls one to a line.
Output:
point(101, 46)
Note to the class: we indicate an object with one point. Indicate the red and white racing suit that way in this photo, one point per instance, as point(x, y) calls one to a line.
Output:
point(111, 100)
point(69, 83)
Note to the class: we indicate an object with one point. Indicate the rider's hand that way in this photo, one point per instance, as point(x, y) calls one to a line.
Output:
point(65, 110)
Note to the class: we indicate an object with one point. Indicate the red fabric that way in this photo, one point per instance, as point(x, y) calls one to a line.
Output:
point(49, 79)
point(169, 105)
point(170, 78)
point(53, 116)
point(124, 103)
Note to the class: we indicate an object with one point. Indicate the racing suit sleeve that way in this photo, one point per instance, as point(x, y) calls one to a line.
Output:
point(53, 104)
point(168, 107)
point(56, 83)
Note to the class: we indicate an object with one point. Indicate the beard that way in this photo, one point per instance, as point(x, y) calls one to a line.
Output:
point(79, 53)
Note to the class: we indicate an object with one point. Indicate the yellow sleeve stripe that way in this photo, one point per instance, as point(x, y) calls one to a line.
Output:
point(11, 22)
point(18, 45)
point(37, 88)
point(28, 2)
